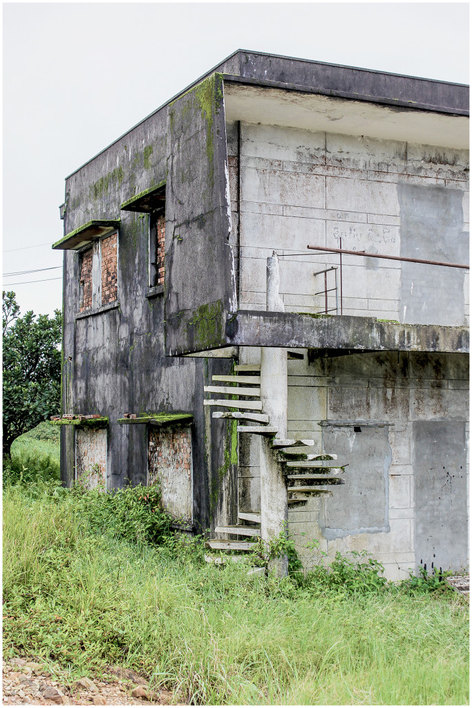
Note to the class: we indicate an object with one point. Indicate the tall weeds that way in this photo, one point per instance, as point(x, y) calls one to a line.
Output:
point(81, 594)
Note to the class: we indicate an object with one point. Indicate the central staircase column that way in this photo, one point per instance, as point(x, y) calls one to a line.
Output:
point(274, 509)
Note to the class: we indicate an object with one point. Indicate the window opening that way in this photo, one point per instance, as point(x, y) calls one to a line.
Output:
point(157, 239)
point(99, 273)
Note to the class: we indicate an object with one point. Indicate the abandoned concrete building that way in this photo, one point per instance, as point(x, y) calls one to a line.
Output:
point(265, 310)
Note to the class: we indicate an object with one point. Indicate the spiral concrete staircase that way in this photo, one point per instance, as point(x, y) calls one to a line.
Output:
point(306, 473)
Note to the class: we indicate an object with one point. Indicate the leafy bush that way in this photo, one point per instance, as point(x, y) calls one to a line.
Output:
point(353, 573)
point(424, 582)
point(31, 369)
point(134, 514)
point(280, 546)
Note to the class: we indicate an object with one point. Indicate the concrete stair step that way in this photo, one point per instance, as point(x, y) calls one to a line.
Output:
point(233, 391)
point(217, 545)
point(257, 429)
point(309, 456)
point(328, 475)
point(237, 379)
point(247, 367)
point(216, 559)
point(294, 354)
point(289, 456)
point(289, 442)
point(310, 490)
point(223, 560)
point(250, 516)
point(239, 530)
point(256, 417)
point(315, 464)
point(244, 405)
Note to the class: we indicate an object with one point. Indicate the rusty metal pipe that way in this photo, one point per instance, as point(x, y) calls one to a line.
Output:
point(389, 258)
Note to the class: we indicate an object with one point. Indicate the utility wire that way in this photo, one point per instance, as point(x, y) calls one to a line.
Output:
point(26, 272)
point(25, 248)
point(8, 285)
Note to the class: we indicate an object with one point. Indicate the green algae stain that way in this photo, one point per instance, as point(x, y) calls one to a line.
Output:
point(209, 94)
point(102, 185)
point(207, 325)
point(234, 442)
point(147, 152)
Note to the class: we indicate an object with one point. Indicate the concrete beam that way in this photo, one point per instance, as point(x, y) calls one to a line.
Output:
point(341, 332)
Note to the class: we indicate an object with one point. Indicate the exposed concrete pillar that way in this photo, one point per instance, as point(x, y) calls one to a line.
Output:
point(274, 360)
point(274, 511)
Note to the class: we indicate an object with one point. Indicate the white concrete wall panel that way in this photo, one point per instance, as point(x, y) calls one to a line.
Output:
point(297, 187)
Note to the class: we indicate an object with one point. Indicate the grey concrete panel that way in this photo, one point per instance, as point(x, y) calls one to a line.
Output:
point(114, 361)
point(361, 504)
point(431, 229)
point(439, 463)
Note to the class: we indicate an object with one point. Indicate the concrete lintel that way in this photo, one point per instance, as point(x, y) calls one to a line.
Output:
point(357, 334)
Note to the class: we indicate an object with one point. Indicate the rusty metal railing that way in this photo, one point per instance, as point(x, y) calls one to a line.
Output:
point(344, 251)
point(337, 287)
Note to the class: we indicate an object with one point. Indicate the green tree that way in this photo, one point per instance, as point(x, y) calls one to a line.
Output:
point(31, 369)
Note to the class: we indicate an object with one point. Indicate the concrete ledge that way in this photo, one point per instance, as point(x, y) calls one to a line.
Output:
point(158, 419)
point(341, 332)
point(82, 421)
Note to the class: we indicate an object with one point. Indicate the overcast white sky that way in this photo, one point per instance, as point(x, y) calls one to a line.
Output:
point(76, 76)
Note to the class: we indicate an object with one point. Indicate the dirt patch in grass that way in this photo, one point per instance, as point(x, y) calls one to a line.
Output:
point(30, 681)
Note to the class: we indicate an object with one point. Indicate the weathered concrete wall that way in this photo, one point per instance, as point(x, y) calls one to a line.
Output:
point(199, 257)
point(398, 421)
point(298, 187)
point(439, 449)
point(404, 497)
point(115, 359)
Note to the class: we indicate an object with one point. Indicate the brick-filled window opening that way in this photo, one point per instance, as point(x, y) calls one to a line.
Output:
point(86, 279)
point(170, 466)
point(99, 273)
point(91, 457)
point(109, 267)
point(157, 248)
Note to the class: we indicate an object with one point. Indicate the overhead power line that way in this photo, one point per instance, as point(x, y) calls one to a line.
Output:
point(25, 282)
point(26, 248)
point(26, 272)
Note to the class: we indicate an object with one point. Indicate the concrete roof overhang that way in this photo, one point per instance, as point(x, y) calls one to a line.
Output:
point(275, 104)
point(86, 233)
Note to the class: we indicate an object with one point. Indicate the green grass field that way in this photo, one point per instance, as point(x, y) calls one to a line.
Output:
point(42, 441)
point(90, 582)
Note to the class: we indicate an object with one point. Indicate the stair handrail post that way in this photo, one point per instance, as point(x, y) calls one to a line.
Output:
point(274, 508)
